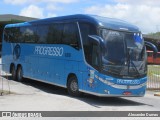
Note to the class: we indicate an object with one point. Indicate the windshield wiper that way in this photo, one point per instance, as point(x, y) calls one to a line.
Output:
point(130, 61)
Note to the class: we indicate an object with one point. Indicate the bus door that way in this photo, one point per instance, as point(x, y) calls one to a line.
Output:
point(91, 78)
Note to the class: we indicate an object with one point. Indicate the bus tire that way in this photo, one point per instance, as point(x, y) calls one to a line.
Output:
point(19, 73)
point(72, 86)
point(13, 72)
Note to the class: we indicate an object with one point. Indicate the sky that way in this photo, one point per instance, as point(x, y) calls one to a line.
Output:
point(143, 13)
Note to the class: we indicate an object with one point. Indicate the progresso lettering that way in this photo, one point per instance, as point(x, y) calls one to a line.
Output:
point(120, 81)
point(51, 51)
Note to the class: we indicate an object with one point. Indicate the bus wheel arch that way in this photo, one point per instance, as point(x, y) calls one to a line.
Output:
point(13, 71)
point(72, 85)
point(19, 73)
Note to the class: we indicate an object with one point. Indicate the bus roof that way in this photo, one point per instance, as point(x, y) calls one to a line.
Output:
point(106, 22)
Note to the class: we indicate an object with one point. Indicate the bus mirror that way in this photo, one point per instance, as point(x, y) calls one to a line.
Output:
point(152, 46)
point(94, 39)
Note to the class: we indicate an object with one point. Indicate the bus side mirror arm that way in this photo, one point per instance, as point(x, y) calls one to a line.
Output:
point(151, 45)
point(94, 39)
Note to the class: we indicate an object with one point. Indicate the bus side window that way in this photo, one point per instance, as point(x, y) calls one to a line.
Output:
point(16, 34)
point(87, 29)
point(70, 35)
point(29, 35)
point(9, 35)
point(95, 59)
point(42, 32)
point(55, 33)
point(6, 37)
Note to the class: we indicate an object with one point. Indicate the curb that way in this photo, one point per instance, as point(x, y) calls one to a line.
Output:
point(157, 94)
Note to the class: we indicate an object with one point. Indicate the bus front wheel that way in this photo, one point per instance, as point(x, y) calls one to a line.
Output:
point(19, 74)
point(72, 87)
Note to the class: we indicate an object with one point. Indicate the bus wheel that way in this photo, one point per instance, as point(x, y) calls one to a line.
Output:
point(13, 72)
point(19, 74)
point(72, 87)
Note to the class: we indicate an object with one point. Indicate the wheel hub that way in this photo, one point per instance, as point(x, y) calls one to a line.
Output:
point(74, 86)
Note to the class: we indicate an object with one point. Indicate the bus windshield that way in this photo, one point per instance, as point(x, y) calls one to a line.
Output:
point(123, 54)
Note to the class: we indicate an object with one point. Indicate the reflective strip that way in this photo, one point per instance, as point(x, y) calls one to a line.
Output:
point(127, 86)
point(120, 86)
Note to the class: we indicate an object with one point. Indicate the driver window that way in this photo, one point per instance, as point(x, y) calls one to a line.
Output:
point(95, 59)
point(87, 29)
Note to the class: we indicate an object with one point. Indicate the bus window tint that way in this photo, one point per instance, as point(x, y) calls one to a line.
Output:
point(28, 34)
point(55, 33)
point(16, 35)
point(87, 29)
point(12, 34)
point(70, 35)
point(42, 32)
point(20, 34)
point(6, 35)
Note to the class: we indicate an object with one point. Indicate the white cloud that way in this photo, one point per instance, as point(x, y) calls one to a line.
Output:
point(15, 2)
point(52, 7)
point(144, 16)
point(140, 2)
point(60, 1)
point(20, 2)
point(32, 11)
point(51, 15)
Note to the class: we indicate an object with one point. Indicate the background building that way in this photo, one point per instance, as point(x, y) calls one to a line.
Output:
point(153, 39)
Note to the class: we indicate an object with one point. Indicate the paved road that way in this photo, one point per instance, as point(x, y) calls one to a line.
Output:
point(36, 96)
point(33, 95)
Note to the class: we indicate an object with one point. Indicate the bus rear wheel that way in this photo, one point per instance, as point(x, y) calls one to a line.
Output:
point(13, 72)
point(19, 74)
point(72, 87)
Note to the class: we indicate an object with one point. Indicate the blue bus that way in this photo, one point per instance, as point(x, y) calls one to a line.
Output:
point(83, 53)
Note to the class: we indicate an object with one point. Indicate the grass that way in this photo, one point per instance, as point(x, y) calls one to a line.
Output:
point(153, 70)
point(153, 77)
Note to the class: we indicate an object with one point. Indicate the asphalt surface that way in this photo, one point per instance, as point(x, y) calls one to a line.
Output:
point(35, 96)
